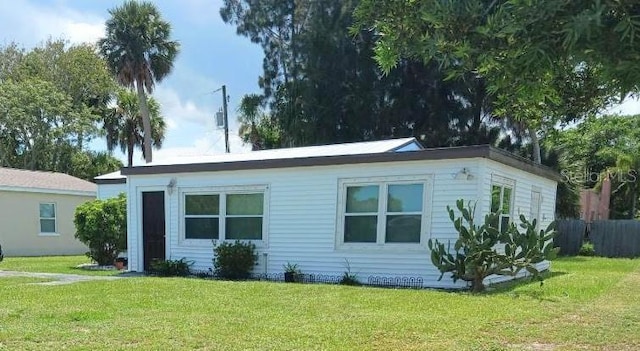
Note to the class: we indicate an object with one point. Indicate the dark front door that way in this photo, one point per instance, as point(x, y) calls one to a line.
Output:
point(153, 227)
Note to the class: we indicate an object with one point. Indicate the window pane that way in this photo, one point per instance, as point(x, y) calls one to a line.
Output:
point(47, 226)
point(362, 199)
point(360, 229)
point(405, 198)
point(403, 229)
point(245, 204)
point(202, 204)
point(47, 211)
point(495, 198)
point(243, 228)
point(201, 228)
point(506, 201)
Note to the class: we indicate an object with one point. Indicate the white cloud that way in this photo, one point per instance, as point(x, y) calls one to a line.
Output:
point(29, 24)
point(175, 110)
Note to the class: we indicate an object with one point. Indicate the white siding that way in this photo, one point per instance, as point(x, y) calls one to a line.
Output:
point(302, 213)
point(524, 183)
point(107, 191)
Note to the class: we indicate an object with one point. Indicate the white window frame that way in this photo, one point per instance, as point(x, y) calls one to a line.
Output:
point(223, 192)
point(55, 220)
point(383, 185)
point(503, 183)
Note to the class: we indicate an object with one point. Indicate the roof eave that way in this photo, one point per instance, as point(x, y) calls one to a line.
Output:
point(48, 191)
point(102, 181)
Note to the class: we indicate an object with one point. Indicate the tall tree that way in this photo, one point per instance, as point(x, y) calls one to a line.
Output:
point(339, 93)
point(138, 49)
point(535, 57)
point(124, 125)
point(51, 99)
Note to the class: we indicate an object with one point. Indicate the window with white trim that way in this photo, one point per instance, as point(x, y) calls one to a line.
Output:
point(502, 203)
point(48, 218)
point(225, 215)
point(383, 211)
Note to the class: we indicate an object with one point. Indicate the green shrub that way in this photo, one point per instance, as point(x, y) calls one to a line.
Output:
point(171, 268)
point(102, 226)
point(234, 260)
point(587, 249)
point(475, 255)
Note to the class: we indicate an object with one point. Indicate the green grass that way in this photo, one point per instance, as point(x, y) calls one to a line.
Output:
point(587, 304)
point(51, 264)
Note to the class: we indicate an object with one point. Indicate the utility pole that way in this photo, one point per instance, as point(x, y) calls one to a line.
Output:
point(226, 120)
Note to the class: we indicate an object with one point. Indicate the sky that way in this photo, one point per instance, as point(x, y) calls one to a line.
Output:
point(211, 54)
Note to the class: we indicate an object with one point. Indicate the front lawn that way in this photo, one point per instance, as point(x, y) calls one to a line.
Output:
point(51, 264)
point(587, 304)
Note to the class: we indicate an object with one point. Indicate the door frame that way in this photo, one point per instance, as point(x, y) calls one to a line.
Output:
point(139, 231)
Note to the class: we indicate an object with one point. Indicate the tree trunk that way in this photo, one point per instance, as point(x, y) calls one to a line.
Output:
point(146, 122)
point(129, 154)
point(477, 284)
point(537, 158)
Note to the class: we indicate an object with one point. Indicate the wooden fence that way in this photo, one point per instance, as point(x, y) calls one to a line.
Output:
point(615, 238)
point(610, 238)
point(571, 234)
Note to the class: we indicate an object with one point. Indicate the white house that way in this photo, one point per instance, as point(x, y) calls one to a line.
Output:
point(371, 205)
point(110, 185)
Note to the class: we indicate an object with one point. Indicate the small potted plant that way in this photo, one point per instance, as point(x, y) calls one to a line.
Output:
point(291, 272)
point(120, 262)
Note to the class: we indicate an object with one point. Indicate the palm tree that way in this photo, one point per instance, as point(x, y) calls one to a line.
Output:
point(124, 125)
point(138, 50)
point(256, 127)
point(249, 116)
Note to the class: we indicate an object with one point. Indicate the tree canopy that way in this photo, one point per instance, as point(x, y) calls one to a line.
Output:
point(543, 62)
point(321, 84)
point(51, 99)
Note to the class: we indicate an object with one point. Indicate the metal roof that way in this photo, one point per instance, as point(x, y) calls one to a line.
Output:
point(359, 148)
point(340, 154)
point(47, 182)
point(111, 178)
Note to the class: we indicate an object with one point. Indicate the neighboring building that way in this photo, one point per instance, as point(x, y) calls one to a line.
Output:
point(110, 185)
point(38, 210)
point(594, 205)
point(373, 204)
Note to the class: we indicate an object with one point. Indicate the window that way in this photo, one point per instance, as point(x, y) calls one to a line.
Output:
point(501, 203)
point(202, 216)
point(224, 216)
point(244, 216)
point(385, 211)
point(48, 218)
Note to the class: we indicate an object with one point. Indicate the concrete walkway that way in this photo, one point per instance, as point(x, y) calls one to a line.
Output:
point(59, 278)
